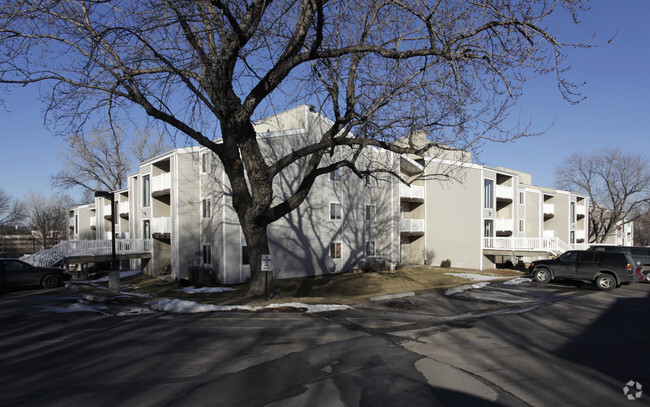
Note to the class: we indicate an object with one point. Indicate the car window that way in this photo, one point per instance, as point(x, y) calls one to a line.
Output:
point(614, 259)
point(586, 257)
point(14, 266)
point(569, 256)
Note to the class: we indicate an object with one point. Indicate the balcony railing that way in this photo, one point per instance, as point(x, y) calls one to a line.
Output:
point(93, 221)
point(412, 191)
point(549, 208)
point(581, 210)
point(504, 224)
point(504, 191)
point(161, 182)
point(161, 225)
point(533, 244)
point(123, 207)
point(411, 225)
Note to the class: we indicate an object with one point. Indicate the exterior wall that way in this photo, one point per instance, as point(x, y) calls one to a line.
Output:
point(454, 219)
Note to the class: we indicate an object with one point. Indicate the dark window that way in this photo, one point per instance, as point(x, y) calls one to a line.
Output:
point(569, 256)
point(245, 259)
point(586, 257)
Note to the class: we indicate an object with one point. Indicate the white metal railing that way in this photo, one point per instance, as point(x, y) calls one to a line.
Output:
point(411, 225)
point(505, 224)
point(549, 208)
point(123, 207)
point(71, 248)
point(581, 210)
point(504, 191)
point(161, 182)
point(107, 209)
point(580, 234)
point(93, 221)
point(553, 245)
point(412, 191)
point(161, 225)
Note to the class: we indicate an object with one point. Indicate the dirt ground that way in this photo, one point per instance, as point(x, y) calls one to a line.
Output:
point(344, 288)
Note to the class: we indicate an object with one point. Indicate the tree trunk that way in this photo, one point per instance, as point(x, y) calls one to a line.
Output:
point(258, 244)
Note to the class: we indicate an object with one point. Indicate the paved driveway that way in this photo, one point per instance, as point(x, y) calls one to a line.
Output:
point(497, 345)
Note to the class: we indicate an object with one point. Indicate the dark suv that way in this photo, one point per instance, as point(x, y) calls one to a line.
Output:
point(640, 254)
point(606, 269)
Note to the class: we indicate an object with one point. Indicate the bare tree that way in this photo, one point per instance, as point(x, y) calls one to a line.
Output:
point(11, 210)
point(102, 158)
point(379, 69)
point(48, 216)
point(617, 183)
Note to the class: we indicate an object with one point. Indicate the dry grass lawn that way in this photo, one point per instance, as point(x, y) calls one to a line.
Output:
point(344, 288)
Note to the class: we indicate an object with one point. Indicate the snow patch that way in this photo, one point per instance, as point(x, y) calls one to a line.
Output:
point(475, 277)
point(192, 290)
point(123, 274)
point(517, 281)
point(462, 288)
point(177, 306)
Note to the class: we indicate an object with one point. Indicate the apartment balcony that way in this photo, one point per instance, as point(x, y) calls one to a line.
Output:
point(548, 234)
point(549, 210)
point(411, 227)
point(161, 184)
point(504, 226)
point(123, 209)
point(93, 222)
point(580, 235)
point(504, 193)
point(161, 228)
point(71, 222)
point(107, 210)
point(412, 193)
point(581, 211)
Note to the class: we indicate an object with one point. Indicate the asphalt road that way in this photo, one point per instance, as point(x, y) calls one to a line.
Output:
point(498, 345)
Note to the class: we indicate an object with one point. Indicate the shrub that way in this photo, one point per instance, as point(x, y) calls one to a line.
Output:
point(445, 264)
point(428, 254)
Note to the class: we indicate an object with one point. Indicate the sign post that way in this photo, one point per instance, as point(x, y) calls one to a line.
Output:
point(266, 267)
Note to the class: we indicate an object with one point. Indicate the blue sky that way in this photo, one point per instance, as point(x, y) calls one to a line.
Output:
point(616, 112)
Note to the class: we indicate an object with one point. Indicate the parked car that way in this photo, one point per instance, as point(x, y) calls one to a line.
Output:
point(640, 254)
point(17, 273)
point(606, 270)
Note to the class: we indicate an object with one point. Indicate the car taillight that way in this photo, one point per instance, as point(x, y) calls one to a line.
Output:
point(629, 267)
point(639, 274)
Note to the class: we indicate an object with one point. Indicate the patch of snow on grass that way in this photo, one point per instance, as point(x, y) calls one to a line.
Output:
point(192, 290)
point(462, 288)
point(474, 277)
point(517, 281)
point(177, 306)
point(123, 274)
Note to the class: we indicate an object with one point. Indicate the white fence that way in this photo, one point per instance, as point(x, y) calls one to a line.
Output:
point(161, 182)
point(535, 244)
point(411, 225)
point(413, 191)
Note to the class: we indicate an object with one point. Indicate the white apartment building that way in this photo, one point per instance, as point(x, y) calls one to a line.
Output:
point(179, 205)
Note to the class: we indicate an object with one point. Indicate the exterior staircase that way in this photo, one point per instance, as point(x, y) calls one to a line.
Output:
point(83, 248)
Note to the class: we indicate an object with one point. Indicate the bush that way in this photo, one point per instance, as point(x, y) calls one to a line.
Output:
point(399, 266)
point(445, 264)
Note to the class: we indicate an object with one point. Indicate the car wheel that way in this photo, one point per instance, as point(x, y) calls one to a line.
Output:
point(50, 281)
point(647, 277)
point(542, 276)
point(605, 282)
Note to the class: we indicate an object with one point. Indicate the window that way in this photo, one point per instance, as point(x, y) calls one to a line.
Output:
point(370, 248)
point(573, 212)
point(146, 229)
point(335, 210)
point(335, 250)
point(521, 225)
point(206, 252)
point(522, 198)
point(206, 162)
point(488, 228)
point(371, 212)
point(146, 191)
point(572, 237)
point(488, 189)
point(335, 175)
point(205, 207)
point(245, 257)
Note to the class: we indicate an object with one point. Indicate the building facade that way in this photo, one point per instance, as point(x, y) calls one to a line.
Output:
point(181, 203)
